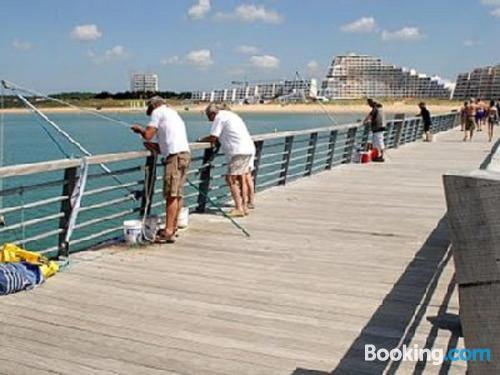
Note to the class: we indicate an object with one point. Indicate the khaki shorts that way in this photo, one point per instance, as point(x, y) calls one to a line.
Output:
point(176, 169)
point(239, 165)
point(470, 123)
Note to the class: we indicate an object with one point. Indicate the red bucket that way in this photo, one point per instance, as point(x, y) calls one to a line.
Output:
point(365, 157)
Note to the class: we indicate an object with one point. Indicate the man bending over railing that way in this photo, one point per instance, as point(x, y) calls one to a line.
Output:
point(229, 129)
point(173, 145)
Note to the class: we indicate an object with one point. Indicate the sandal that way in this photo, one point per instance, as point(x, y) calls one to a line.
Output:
point(236, 213)
point(162, 238)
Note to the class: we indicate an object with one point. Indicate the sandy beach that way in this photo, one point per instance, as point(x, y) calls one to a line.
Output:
point(266, 108)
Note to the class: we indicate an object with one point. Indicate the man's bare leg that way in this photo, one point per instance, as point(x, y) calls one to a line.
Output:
point(232, 182)
point(244, 192)
point(172, 210)
point(251, 189)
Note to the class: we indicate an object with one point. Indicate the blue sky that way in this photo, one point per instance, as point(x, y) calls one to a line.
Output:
point(62, 45)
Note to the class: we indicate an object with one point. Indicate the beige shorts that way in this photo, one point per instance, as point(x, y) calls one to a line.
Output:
point(176, 169)
point(239, 165)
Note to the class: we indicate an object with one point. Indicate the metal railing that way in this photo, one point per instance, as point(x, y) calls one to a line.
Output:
point(36, 196)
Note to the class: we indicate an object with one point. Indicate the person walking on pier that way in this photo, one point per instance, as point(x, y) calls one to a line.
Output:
point(230, 130)
point(376, 121)
point(426, 119)
point(492, 119)
point(463, 116)
point(470, 122)
point(170, 131)
point(480, 114)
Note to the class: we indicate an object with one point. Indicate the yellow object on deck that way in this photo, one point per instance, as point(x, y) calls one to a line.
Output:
point(12, 253)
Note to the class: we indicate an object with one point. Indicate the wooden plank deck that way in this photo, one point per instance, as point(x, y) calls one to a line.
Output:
point(357, 255)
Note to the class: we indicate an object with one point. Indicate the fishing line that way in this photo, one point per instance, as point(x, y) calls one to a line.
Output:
point(13, 86)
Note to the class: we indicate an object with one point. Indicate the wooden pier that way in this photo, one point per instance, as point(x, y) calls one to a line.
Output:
point(351, 256)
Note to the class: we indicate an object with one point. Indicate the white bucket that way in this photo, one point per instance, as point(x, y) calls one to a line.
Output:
point(183, 220)
point(132, 231)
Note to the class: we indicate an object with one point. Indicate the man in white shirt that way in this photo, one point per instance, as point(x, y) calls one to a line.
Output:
point(170, 131)
point(229, 129)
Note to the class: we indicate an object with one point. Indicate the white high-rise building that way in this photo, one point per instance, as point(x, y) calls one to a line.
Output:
point(144, 82)
point(482, 83)
point(355, 76)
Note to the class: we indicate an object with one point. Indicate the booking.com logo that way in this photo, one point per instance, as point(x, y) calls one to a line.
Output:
point(436, 356)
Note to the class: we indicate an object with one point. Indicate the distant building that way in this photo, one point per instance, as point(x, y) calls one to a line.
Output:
point(144, 82)
point(480, 83)
point(260, 91)
point(355, 76)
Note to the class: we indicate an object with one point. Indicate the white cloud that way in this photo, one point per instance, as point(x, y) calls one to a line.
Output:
point(116, 53)
point(248, 50)
point(404, 34)
point(86, 32)
point(265, 61)
point(251, 13)
point(363, 25)
point(201, 58)
point(495, 12)
point(170, 60)
point(472, 43)
point(199, 10)
point(21, 45)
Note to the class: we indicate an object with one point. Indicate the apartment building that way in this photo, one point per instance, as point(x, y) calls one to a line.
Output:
point(481, 82)
point(259, 91)
point(354, 76)
point(144, 82)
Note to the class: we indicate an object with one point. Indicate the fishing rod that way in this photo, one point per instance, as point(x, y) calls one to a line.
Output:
point(318, 101)
point(14, 87)
point(2, 147)
point(216, 206)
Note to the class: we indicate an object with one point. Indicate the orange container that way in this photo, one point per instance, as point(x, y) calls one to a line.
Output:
point(366, 157)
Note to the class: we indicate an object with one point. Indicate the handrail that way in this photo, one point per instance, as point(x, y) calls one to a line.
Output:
point(281, 157)
point(59, 164)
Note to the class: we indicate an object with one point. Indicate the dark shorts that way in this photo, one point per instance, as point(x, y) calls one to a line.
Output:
point(427, 127)
point(176, 169)
point(470, 123)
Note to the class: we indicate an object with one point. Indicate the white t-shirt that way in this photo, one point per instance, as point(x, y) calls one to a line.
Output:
point(170, 130)
point(233, 134)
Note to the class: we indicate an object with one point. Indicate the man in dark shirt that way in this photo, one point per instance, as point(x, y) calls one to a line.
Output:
point(427, 121)
point(376, 121)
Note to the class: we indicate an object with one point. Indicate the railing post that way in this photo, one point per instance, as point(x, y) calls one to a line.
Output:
point(204, 187)
point(331, 149)
point(366, 134)
point(399, 132)
point(149, 182)
point(258, 154)
point(350, 143)
point(286, 159)
point(68, 187)
point(313, 140)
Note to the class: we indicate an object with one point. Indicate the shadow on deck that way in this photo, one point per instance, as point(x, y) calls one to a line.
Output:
point(396, 320)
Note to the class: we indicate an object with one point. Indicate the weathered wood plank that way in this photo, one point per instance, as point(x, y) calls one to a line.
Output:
point(334, 260)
